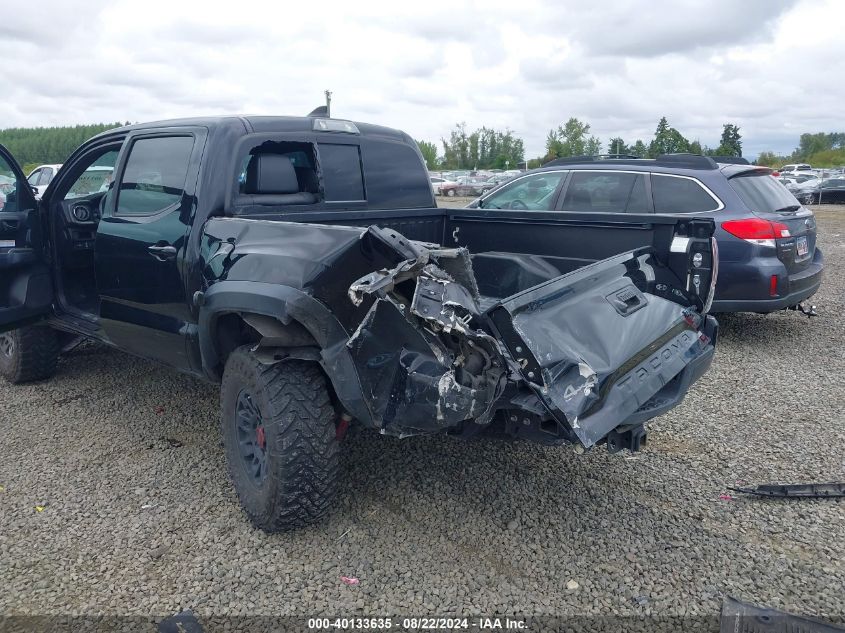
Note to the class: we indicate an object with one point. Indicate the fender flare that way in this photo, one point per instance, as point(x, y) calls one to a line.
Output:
point(286, 304)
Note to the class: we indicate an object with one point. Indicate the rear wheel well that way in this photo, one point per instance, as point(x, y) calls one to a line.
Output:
point(235, 329)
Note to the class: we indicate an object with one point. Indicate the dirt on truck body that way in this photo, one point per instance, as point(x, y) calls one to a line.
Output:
point(303, 264)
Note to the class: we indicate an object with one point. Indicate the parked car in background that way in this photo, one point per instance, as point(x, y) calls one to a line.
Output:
point(437, 184)
point(796, 169)
point(793, 182)
point(821, 190)
point(497, 180)
point(7, 186)
point(472, 186)
point(768, 258)
point(40, 177)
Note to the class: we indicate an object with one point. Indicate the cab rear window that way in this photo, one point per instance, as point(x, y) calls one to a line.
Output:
point(763, 194)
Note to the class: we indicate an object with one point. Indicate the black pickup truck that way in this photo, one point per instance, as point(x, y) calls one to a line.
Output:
point(302, 263)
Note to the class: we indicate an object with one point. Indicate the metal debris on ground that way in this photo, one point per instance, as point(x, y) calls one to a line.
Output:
point(184, 622)
point(816, 491)
point(749, 618)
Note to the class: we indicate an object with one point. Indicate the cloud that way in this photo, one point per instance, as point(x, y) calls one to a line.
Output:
point(769, 66)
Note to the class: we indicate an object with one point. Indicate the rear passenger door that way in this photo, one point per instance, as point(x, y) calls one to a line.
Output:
point(141, 242)
point(607, 191)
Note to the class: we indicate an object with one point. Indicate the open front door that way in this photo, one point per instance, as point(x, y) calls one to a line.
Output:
point(26, 288)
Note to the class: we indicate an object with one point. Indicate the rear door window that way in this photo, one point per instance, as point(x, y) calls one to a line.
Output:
point(341, 168)
point(155, 173)
point(763, 194)
point(681, 194)
point(606, 191)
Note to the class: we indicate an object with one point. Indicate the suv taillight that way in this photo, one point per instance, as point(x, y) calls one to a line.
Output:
point(757, 231)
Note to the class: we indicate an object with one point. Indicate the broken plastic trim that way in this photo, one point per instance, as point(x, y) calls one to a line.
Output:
point(816, 491)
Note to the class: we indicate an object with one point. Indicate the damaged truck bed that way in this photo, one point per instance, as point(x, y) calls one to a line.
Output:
point(425, 343)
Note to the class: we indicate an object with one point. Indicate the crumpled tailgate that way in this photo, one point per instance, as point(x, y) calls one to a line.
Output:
point(601, 343)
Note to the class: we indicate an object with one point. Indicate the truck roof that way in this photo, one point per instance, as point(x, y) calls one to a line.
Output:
point(262, 123)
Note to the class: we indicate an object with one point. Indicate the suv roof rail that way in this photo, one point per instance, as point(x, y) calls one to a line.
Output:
point(687, 161)
point(568, 160)
point(731, 160)
point(684, 161)
point(615, 156)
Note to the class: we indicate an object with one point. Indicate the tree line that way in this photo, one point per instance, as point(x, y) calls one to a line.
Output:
point(820, 150)
point(33, 146)
point(484, 148)
point(487, 148)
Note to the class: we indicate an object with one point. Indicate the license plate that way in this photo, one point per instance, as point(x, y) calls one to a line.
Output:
point(801, 248)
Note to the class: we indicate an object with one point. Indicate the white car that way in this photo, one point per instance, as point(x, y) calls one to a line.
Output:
point(40, 177)
point(798, 169)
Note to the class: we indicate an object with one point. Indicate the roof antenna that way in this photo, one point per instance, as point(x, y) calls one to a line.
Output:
point(323, 111)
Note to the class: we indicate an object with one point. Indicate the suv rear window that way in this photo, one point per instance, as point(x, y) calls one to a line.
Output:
point(678, 194)
point(763, 194)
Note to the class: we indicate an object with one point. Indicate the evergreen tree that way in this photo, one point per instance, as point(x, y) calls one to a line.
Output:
point(49, 145)
point(667, 140)
point(731, 141)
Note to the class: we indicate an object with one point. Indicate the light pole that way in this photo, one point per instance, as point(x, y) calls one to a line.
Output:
point(328, 104)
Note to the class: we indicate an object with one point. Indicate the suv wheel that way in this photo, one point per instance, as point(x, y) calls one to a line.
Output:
point(278, 428)
point(29, 353)
point(451, 193)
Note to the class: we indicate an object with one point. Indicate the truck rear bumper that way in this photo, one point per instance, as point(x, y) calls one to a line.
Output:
point(673, 393)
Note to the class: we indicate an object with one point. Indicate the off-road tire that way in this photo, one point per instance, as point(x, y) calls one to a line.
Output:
point(29, 353)
point(302, 458)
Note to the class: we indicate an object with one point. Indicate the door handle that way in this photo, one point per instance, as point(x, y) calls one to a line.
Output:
point(163, 253)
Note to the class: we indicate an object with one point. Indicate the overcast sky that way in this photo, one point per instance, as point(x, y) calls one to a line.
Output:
point(773, 67)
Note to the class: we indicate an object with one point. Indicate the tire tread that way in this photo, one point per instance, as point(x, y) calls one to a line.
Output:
point(36, 355)
point(307, 465)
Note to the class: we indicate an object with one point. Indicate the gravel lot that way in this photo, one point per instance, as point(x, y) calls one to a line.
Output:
point(138, 517)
